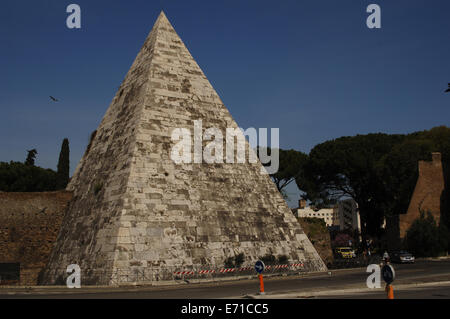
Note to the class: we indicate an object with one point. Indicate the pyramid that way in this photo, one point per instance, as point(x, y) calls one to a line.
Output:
point(134, 209)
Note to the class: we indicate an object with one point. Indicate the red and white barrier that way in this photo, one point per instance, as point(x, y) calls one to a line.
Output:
point(230, 270)
point(183, 273)
point(225, 270)
point(206, 271)
point(280, 266)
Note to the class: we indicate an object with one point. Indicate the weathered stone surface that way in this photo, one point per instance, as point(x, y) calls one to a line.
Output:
point(129, 193)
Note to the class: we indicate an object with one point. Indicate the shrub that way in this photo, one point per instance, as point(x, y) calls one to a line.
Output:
point(234, 262)
point(283, 259)
point(268, 259)
point(98, 187)
point(425, 239)
point(239, 260)
point(229, 263)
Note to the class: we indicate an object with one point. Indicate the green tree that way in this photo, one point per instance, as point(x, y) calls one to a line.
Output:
point(398, 172)
point(291, 163)
point(425, 238)
point(31, 156)
point(440, 137)
point(347, 167)
point(20, 177)
point(379, 171)
point(63, 166)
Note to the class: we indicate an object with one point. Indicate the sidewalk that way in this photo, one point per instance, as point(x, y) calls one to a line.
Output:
point(345, 291)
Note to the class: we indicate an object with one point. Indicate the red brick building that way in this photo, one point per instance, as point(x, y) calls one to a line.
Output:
point(427, 193)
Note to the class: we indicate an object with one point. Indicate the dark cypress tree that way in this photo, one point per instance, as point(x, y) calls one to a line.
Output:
point(62, 175)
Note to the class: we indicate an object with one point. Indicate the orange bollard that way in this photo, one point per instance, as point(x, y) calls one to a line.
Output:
point(390, 291)
point(261, 284)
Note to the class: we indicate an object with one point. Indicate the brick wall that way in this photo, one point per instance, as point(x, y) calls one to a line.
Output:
point(319, 236)
point(427, 193)
point(29, 225)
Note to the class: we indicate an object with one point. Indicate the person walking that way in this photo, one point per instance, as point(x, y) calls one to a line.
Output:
point(386, 257)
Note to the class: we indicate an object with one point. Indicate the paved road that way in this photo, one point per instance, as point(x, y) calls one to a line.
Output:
point(420, 272)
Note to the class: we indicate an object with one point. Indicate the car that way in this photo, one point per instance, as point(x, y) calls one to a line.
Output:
point(344, 252)
point(402, 257)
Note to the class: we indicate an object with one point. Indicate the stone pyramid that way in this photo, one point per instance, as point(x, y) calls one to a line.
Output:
point(135, 209)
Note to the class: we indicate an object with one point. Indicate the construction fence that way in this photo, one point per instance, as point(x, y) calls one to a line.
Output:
point(157, 275)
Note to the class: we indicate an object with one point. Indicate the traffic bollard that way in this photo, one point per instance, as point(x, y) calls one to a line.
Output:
point(261, 285)
point(390, 291)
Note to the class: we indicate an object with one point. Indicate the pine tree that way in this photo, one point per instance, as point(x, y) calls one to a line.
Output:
point(62, 175)
point(31, 157)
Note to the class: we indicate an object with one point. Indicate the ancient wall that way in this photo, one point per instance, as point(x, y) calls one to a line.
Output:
point(319, 236)
point(29, 225)
point(427, 193)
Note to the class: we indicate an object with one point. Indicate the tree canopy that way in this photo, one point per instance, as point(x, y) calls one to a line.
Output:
point(26, 177)
point(291, 166)
point(31, 156)
point(20, 177)
point(346, 167)
point(379, 171)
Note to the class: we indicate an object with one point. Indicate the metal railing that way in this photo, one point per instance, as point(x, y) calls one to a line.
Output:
point(360, 261)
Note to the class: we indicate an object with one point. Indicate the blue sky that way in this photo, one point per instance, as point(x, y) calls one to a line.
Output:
point(311, 68)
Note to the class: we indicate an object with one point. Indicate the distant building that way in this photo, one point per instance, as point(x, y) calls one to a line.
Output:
point(347, 216)
point(326, 214)
point(343, 215)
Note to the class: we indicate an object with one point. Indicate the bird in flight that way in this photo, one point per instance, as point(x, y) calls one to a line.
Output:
point(53, 99)
point(448, 90)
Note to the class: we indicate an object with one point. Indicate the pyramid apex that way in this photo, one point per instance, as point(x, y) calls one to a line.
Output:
point(162, 17)
point(162, 21)
point(162, 14)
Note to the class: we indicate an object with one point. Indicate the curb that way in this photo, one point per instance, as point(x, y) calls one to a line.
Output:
point(337, 292)
point(171, 283)
point(434, 258)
